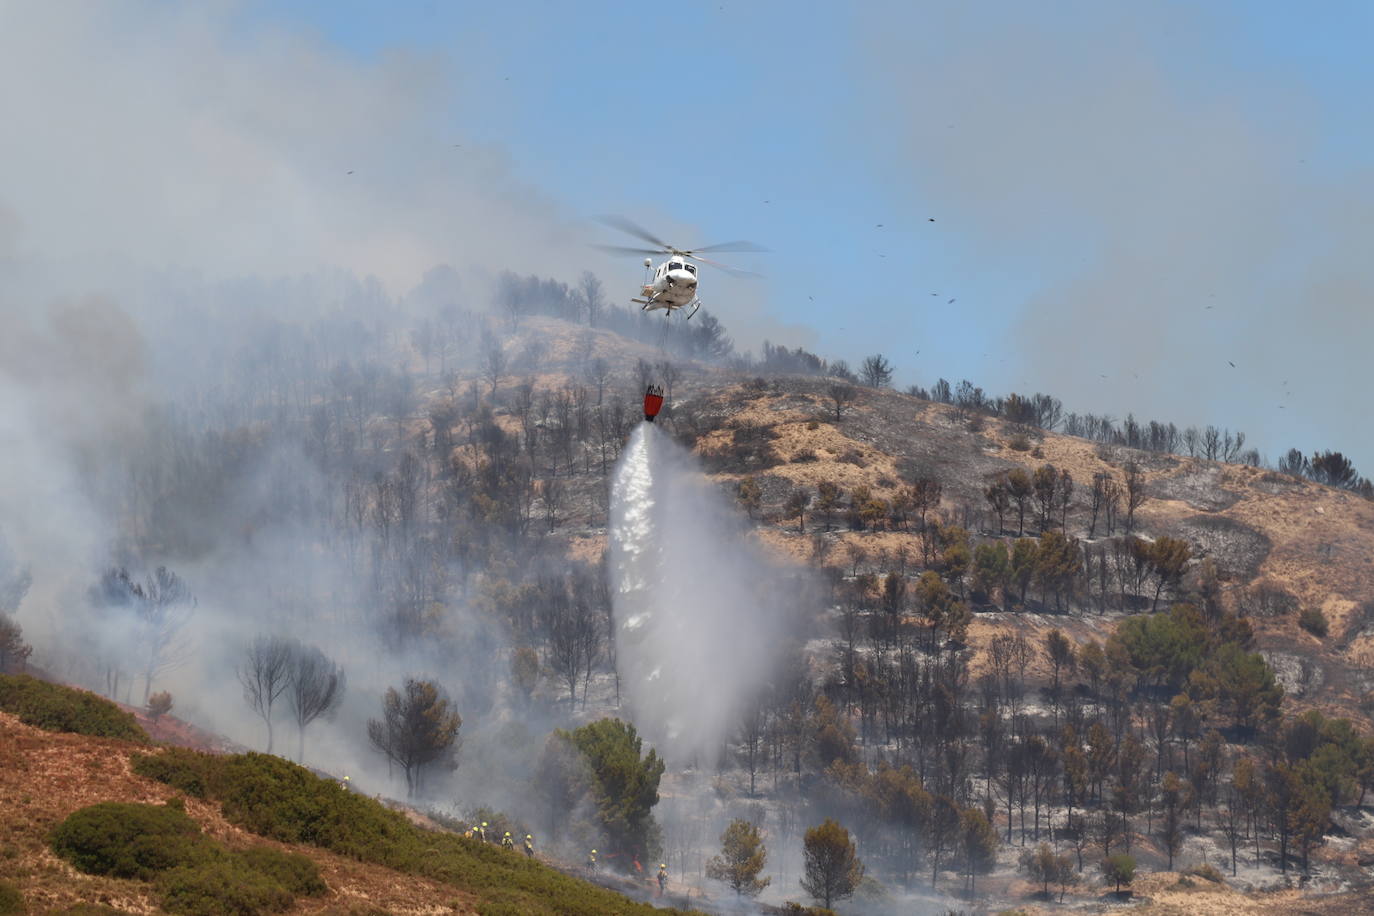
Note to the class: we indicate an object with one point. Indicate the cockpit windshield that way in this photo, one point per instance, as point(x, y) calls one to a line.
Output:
point(690, 268)
point(675, 266)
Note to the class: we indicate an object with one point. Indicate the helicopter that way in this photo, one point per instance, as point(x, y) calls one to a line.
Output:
point(672, 284)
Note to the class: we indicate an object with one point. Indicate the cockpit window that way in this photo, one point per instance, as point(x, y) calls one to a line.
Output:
point(675, 266)
point(691, 268)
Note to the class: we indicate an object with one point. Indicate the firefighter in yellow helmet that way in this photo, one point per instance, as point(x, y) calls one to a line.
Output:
point(529, 846)
point(662, 877)
point(591, 860)
point(507, 842)
point(482, 832)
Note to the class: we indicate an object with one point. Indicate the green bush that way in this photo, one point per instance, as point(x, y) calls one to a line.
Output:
point(291, 870)
point(1313, 621)
point(88, 909)
point(11, 901)
point(196, 875)
point(129, 841)
point(275, 798)
point(223, 887)
point(64, 709)
point(184, 770)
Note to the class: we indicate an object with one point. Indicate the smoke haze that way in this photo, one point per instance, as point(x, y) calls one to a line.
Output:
point(1154, 211)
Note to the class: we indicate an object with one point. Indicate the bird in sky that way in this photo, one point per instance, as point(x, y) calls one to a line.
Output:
point(350, 171)
point(950, 302)
point(1233, 365)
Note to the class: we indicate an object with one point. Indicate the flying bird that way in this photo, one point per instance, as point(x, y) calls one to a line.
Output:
point(1233, 365)
point(930, 219)
point(950, 302)
point(350, 171)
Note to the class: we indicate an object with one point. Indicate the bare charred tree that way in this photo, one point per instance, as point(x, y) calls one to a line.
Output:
point(598, 373)
point(493, 362)
point(572, 630)
point(551, 494)
point(419, 727)
point(998, 500)
point(797, 504)
point(1019, 489)
point(1045, 482)
point(841, 396)
point(1135, 493)
point(1098, 501)
point(876, 371)
point(265, 675)
point(162, 613)
point(316, 689)
point(593, 299)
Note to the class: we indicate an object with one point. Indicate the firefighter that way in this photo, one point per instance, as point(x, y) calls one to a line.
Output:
point(662, 877)
point(591, 860)
point(507, 842)
point(482, 832)
point(529, 846)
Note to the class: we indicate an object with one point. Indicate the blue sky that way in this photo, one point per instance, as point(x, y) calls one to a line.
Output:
point(1127, 197)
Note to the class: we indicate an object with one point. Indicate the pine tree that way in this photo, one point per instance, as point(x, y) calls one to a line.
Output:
point(742, 857)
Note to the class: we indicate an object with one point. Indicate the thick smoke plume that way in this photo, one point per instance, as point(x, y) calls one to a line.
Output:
point(700, 610)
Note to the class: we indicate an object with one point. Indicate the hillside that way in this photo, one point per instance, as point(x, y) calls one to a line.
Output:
point(969, 672)
point(46, 776)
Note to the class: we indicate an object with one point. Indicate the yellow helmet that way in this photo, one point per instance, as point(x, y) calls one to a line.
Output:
point(507, 833)
point(528, 837)
point(593, 852)
point(663, 865)
point(484, 823)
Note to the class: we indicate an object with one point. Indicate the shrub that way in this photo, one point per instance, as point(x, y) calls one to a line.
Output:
point(276, 798)
point(291, 870)
point(854, 457)
point(11, 901)
point(1206, 872)
point(129, 841)
point(184, 770)
point(804, 455)
point(64, 709)
point(88, 909)
point(222, 887)
point(1019, 443)
point(159, 704)
point(1313, 621)
point(813, 425)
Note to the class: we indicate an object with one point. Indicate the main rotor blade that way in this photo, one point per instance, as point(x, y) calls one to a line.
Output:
point(732, 271)
point(732, 246)
point(621, 249)
point(639, 232)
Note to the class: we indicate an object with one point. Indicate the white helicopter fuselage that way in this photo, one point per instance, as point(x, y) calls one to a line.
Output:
point(673, 285)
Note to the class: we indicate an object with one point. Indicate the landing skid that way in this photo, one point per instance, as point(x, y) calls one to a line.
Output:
point(647, 305)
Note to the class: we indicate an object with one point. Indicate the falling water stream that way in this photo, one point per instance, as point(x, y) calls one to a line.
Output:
point(700, 610)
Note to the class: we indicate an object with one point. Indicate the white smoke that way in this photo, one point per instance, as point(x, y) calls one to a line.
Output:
point(701, 612)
